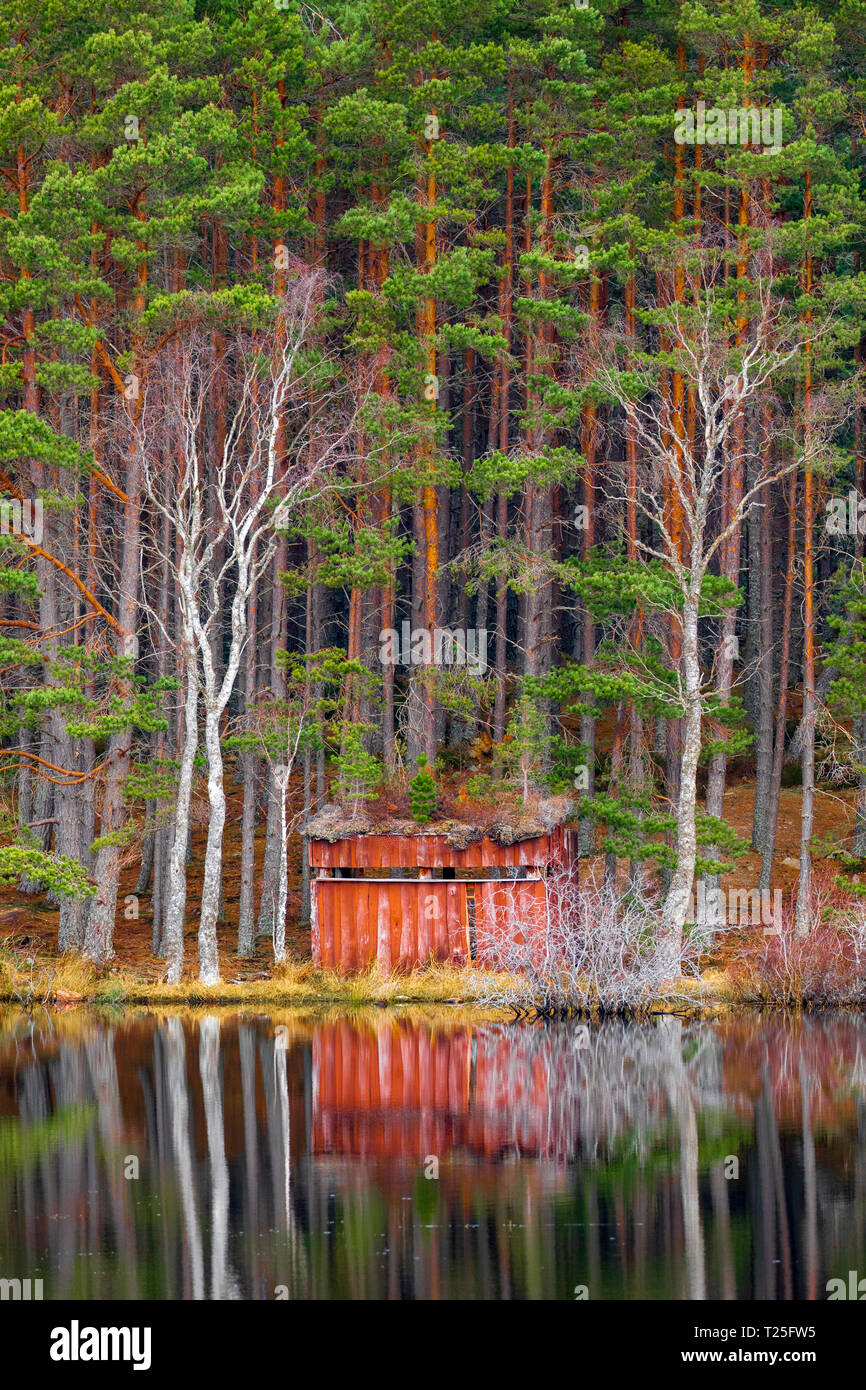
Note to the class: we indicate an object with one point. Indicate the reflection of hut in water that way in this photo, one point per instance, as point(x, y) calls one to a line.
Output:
point(393, 1091)
point(406, 894)
point(403, 1091)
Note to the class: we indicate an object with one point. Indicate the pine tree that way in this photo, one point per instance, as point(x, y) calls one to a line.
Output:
point(422, 792)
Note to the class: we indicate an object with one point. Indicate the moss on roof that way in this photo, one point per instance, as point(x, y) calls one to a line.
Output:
point(333, 823)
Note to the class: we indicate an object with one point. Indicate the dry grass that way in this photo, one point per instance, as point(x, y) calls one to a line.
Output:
point(63, 981)
point(40, 978)
point(69, 979)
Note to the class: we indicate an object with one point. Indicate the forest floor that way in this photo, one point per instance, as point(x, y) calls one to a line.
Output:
point(29, 964)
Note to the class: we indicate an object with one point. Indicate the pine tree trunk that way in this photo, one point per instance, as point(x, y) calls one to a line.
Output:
point(769, 845)
point(271, 866)
point(764, 750)
point(99, 933)
point(803, 913)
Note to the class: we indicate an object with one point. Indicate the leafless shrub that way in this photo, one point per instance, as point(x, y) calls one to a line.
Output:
point(825, 967)
point(587, 951)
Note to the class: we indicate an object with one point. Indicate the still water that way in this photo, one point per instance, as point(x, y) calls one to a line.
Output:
point(249, 1156)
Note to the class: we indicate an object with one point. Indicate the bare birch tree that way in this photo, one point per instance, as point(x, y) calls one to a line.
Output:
point(689, 468)
point(225, 519)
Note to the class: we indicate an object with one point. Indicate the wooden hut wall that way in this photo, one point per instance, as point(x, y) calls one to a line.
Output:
point(404, 923)
point(399, 925)
point(511, 911)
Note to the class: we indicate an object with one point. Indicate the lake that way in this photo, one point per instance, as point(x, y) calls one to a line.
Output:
point(377, 1156)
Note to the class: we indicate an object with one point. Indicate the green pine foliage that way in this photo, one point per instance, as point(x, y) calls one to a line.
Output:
point(422, 792)
point(358, 772)
point(493, 189)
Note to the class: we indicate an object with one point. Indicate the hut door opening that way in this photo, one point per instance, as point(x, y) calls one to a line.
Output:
point(470, 917)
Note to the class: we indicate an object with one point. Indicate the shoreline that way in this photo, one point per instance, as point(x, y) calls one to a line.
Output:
point(65, 982)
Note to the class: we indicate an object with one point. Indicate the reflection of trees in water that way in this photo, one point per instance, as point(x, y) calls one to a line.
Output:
point(566, 1156)
point(570, 1092)
point(223, 1284)
point(175, 1074)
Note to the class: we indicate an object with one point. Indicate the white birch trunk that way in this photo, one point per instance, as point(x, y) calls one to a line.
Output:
point(281, 780)
point(676, 903)
point(178, 1094)
point(176, 910)
point(208, 953)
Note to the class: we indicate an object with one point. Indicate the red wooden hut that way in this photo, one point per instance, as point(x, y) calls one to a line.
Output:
point(407, 894)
